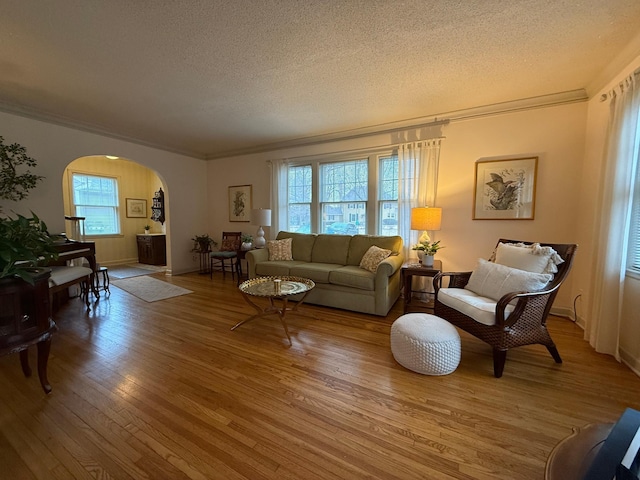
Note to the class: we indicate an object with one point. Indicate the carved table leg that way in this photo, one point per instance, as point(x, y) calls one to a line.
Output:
point(44, 347)
point(24, 362)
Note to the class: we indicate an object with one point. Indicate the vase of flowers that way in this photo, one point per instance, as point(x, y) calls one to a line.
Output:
point(426, 252)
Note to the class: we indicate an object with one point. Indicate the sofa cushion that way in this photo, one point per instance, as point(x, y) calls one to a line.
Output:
point(532, 258)
point(373, 257)
point(481, 309)
point(301, 245)
point(354, 277)
point(279, 249)
point(275, 268)
point(494, 280)
point(361, 243)
point(331, 249)
point(318, 272)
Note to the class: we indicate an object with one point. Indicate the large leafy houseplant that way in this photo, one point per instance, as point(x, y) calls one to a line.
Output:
point(203, 243)
point(24, 244)
point(15, 177)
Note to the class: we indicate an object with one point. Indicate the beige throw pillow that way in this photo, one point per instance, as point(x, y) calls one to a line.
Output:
point(372, 258)
point(493, 280)
point(280, 249)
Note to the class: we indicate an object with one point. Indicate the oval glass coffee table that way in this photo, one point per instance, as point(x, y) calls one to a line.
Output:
point(275, 288)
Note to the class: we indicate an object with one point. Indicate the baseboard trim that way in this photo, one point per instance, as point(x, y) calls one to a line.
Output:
point(630, 361)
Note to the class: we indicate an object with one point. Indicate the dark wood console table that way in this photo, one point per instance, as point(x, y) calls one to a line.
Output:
point(410, 270)
point(25, 320)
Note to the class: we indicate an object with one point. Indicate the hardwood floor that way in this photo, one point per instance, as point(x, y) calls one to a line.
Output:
point(165, 390)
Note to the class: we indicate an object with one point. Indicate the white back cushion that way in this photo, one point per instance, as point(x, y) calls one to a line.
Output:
point(531, 258)
point(494, 280)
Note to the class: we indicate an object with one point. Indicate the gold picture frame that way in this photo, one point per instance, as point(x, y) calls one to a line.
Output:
point(136, 208)
point(505, 189)
point(240, 203)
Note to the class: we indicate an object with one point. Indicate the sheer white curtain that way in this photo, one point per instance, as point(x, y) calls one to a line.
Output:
point(279, 192)
point(614, 213)
point(417, 184)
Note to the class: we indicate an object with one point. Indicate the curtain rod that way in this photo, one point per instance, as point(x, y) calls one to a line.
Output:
point(373, 149)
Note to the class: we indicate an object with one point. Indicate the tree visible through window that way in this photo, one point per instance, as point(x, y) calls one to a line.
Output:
point(345, 190)
point(343, 197)
point(96, 198)
point(388, 195)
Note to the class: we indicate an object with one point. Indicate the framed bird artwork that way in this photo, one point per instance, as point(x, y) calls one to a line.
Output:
point(505, 189)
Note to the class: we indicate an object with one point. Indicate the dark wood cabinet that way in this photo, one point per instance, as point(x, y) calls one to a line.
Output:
point(25, 320)
point(152, 249)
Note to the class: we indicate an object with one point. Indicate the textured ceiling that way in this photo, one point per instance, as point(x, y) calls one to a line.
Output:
point(211, 78)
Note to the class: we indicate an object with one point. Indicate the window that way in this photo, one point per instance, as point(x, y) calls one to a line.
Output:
point(633, 255)
point(335, 196)
point(300, 188)
point(343, 196)
point(388, 195)
point(96, 198)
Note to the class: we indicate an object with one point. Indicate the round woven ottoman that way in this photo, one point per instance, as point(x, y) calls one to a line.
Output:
point(425, 344)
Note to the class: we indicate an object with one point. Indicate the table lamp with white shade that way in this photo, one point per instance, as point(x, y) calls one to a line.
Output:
point(426, 219)
point(262, 218)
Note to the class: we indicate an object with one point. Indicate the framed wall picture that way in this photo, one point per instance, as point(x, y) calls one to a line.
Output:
point(505, 189)
point(240, 203)
point(136, 208)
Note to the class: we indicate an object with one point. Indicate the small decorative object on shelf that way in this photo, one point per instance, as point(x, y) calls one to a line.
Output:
point(147, 228)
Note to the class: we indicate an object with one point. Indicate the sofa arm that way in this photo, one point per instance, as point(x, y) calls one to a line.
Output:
point(254, 257)
point(389, 266)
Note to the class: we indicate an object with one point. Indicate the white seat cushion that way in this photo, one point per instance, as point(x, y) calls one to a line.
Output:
point(481, 309)
point(61, 275)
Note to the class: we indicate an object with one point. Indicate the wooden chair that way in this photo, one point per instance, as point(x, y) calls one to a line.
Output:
point(524, 325)
point(231, 242)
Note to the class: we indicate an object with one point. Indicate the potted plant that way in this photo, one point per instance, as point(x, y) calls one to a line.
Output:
point(247, 241)
point(25, 245)
point(203, 243)
point(426, 251)
point(146, 229)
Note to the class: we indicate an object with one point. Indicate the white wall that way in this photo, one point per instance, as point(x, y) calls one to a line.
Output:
point(555, 134)
point(54, 147)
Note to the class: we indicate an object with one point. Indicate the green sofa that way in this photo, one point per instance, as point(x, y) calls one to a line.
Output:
point(332, 262)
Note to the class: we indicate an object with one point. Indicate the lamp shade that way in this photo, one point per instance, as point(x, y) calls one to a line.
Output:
point(426, 218)
point(261, 217)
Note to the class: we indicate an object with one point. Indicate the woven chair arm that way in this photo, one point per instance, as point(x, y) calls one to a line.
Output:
point(531, 302)
point(456, 279)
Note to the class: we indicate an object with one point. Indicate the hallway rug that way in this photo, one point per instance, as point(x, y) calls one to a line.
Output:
point(150, 289)
point(127, 271)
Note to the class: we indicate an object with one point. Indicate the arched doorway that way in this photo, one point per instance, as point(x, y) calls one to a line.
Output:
point(116, 236)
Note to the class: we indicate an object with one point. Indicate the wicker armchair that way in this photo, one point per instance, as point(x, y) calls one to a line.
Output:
point(524, 325)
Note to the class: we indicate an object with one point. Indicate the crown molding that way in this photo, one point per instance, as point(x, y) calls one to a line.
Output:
point(59, 120)
point(554, 99)
point(440, 119)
